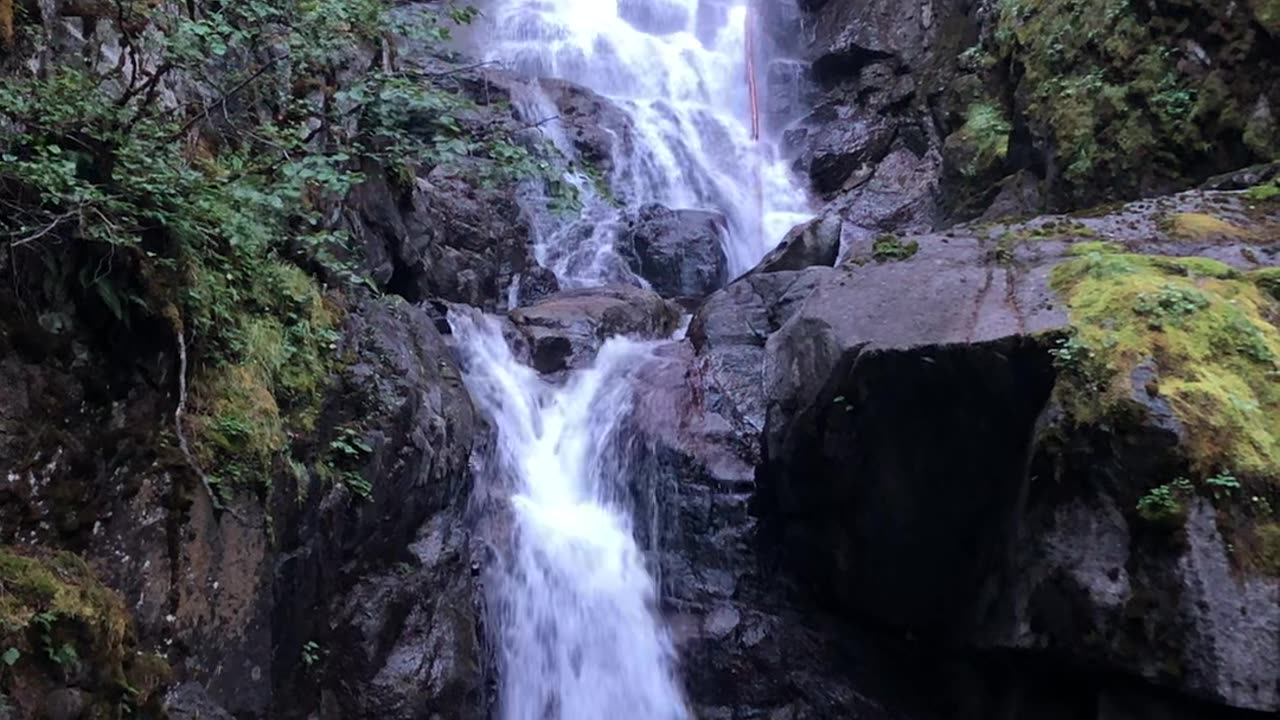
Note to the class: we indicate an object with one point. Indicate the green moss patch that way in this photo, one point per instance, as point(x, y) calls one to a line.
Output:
point(57, 620)
point(1202, 226)
point(1103, 85)
point(1211, 335)
point(281, 353)
point(891, 248)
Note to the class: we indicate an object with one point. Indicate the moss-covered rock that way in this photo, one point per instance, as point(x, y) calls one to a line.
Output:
point(1135, 96)
point(60, 627)
point(1209, 332)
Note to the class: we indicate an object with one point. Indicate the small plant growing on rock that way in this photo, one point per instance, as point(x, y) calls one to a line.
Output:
point(1223, 484)
point(311, 654)
point(1170, 305)
point(1164, 504)
point(890, 248)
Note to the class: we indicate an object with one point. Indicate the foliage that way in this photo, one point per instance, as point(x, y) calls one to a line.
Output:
point(1210, 335)
point(311, 653)
point(215, 217)
point(889, 248)
point(986, 133)
point(1264, 192)
point(1105, 88)
point(1164, 504)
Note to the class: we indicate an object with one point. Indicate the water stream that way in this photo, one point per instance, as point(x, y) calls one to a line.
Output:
point(579, 634)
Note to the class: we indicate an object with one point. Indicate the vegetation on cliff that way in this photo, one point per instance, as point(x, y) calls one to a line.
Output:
point(1130, 95)
point(194, 190)
point(57, 621)
point(1194, 336)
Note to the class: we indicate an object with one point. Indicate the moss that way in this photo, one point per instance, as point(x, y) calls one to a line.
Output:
point(889, 248)
point(1209, 332)
point(281, 354)
point(1103, 89)
point(54, 613)
point(1264, 193)
point(1268, 555)
point(986, 134)
point(1096, 247)
point(1267, 13)
point(1201, 226)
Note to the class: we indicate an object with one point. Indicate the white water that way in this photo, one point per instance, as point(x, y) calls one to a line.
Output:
point(578, 629)
point(678, 71)
point(579, 639)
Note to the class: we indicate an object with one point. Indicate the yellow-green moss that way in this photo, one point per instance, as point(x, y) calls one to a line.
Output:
point(1268, 555)
point(59, 583)
point(244, 410)
point(1210, 333)
point(1202, 226)
point(1096, 247)
point(1268, 14)
point(1103, 84)
point(54, 612)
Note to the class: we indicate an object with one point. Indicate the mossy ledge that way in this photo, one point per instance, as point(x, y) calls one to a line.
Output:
point(1201, 339)
point(61, 629)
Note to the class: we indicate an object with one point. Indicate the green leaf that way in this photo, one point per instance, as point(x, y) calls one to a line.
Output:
point(11, 656)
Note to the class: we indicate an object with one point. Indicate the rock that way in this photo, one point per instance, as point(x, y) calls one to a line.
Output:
point(842, 148)
point(189, 701)
point(566, 329)
point(911, 393)
point(404, 394)
point(445, 237)
point(64, 704)
point(680, 253)
point(1017, 196)
point(598, 129)
point(816, 242)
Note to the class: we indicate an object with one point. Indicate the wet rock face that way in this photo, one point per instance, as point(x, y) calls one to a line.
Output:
point(679, 252)
point(816, 242)
point(565, 329)
point(444, 237)
point(401, 638)
point(916, 469)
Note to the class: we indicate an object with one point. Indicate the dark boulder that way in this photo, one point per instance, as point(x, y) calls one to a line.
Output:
point(816, 242)
point(445, 236)
point(926, 463)
point(679, 252)
point(565, 329)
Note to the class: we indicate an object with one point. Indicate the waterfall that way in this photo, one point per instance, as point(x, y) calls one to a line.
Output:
point(579, 638)
point(677, 69)
point(579, 635)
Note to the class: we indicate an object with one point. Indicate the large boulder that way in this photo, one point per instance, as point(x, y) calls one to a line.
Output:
point(961, 439)
point(680, 253)
point(565, 329)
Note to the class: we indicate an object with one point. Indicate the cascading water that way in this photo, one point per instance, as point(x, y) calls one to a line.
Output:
point(678, 69)
point(579, 639)
point(579, 635)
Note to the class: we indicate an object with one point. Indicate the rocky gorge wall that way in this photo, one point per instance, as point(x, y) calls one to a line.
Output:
point(1024, 467)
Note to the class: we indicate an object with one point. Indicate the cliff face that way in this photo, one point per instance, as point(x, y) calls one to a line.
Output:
point(904, 468)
